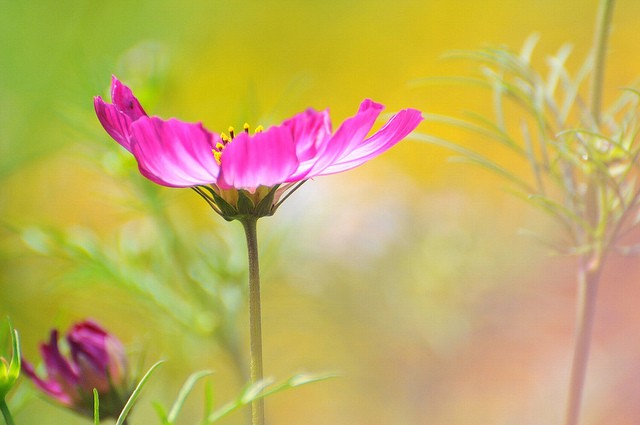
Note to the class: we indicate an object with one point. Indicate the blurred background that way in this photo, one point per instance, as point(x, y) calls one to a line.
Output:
point(408, 277)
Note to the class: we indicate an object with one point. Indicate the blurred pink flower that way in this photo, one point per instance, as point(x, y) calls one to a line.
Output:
point(179, 154)
point(97, 360)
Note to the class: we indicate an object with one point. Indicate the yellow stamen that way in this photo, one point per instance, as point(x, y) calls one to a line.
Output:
point(225, 140)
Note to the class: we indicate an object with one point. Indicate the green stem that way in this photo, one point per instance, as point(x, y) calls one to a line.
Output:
point(8, 419)
point(603, 26)
point(255, 321)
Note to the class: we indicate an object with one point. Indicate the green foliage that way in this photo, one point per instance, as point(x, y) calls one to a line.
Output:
point(170, 418)
point(582, 168)
point(130, 402)
point(249, 394)
point(136, 393)
point(259, 390)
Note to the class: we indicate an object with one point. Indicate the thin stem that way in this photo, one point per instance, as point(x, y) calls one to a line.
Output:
point(8, 419)
point(603, 26)
point(255, 321)
point(589, 271)
point(590, 264)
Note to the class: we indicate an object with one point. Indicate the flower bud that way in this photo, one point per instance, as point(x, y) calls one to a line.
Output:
point(96, 359)
point(10, 370)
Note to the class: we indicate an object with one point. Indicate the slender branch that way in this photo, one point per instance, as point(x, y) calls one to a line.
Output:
point(209, 201)
point(603, 26)
point(8, 419)
point(255, 321)
point(289, 194)
point(590, 264)
point(589, 271)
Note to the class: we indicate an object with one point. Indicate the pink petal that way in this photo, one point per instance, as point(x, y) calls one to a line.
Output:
point(347, 137)
point(116, 118)
point(174, 153)
point(123, 98)
point(309, 130)
point(264, 159)
point(396, 129)
point(58, 367)
point(114, 122)
point(49, 387)
point(88, 339)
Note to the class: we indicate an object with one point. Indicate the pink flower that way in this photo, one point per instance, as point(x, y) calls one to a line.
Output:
point(97, 360)
point(179, 154)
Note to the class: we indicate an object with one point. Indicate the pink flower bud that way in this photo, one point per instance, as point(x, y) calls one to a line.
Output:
point(96, 360)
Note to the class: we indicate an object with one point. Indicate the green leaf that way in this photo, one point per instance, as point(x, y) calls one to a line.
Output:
point(183, 393)
point(161, 412)
point(96, 407)
point(208, 401)
point(136, 393)
point(252, 392)
point(528, 47)
point(488, 130)
point(260, 390)
point(474, 157)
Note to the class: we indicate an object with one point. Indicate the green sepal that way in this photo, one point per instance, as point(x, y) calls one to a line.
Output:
point(227, 211)
point(265, 206)
point(245, 204)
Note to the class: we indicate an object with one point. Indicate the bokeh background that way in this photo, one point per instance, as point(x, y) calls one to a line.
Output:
point(407, 277)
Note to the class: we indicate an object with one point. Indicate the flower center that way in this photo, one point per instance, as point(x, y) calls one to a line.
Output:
point(225, 140)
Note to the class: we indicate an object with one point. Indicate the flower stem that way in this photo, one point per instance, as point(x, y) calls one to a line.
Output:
point(255, 321)
point(603, 26)
point(8, 419)
point(590, 264)
point(589, 271)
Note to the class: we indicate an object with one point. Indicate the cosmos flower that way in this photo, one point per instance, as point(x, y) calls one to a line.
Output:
point(96, 360)
point(238, 171)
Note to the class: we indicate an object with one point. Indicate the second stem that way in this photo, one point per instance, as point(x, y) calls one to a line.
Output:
point(255, 315)
point(8, 419)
